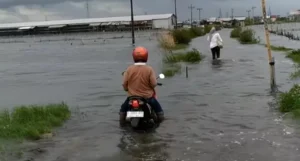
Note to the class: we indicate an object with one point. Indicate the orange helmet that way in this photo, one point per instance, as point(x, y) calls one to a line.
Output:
point(140, 54)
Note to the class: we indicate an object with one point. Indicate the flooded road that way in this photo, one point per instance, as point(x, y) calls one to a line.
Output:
point(223, 112)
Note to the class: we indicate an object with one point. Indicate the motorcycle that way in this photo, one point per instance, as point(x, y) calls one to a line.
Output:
point(140, 114)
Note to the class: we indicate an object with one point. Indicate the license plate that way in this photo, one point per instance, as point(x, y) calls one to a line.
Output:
point(131, 114)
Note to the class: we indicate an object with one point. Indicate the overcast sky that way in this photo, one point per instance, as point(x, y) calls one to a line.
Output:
point(35, 10)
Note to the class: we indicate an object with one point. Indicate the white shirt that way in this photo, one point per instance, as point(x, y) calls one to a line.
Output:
point(214, 40)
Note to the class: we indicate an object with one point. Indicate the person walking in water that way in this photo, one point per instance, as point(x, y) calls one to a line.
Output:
point(215, 43)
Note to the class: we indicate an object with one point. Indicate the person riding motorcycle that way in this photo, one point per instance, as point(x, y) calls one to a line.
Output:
point(140, 80)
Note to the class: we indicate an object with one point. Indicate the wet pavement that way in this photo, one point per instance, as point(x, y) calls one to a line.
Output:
point(222, 112)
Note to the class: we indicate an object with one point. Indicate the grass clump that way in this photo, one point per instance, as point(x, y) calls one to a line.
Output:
point(171, 69)
point(31, 122)
point(247, 36)
point(197, 31)
point(167, 41)
point(279, 48)
point(236, 32)
point(193, 56)
point(294, 55)
point(182, 36)
point(289, 102)
point(172, 61)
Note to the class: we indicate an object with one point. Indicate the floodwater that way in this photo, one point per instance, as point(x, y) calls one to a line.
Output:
point(222, 112)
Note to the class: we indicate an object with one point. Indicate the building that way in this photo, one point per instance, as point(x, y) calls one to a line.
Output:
point(294, 15)
point(228, 21)
point(141, 22)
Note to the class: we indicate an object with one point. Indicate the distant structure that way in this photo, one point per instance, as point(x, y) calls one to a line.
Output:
point(142, 22)
point(294, 15)
point(228, 20)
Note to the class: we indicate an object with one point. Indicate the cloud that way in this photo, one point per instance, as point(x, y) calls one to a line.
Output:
point(37, 10)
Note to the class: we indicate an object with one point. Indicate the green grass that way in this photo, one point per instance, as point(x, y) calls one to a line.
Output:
point(171, 70)
point(31, 122)
point(247, 36)
point(289, 102)
point(244, 36)
point(278, 48)
point(294, 55)
point(172, 61)
point(236, 32)
point(193, 56)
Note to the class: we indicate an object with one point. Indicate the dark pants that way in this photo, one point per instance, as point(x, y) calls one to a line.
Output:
point(215, 52)
point(152, 102)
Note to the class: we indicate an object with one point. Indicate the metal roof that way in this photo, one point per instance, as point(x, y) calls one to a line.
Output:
point(85, 21)
point(214, 19)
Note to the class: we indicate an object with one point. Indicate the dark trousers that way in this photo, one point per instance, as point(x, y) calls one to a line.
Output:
point(152, 102)
point(215, 52)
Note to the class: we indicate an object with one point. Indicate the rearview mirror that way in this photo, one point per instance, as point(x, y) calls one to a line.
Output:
point(161, 76)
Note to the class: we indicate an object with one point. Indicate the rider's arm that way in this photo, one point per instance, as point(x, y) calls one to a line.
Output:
point(153, 81)
point(125, 81)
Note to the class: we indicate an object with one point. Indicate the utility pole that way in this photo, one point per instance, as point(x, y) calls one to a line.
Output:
point(199, 9)
point(191, 7)
point(132, 24)
point(253, 11)
point(46, 19)
point(220, 13)
point(175, 5)
point(232, 10)
point(87, 9)
point(271, 59)
point(248, 13)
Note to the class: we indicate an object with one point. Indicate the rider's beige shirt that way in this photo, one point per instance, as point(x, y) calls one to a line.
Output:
point(140, 80)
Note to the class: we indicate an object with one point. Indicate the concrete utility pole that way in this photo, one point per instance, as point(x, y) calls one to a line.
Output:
point(87, 9)
point(271, 59)
point(248, 13)
point(191, 7)
point(175, 6)
point(132, 23)
point(220, 13)
point(253, 11)
point(46, 18)
point(199, 9)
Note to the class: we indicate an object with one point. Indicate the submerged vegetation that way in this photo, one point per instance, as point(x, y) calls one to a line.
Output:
point(244, 36)
point(193, 56)
point(181, 38)
point(289, 102)
point(236, 32)
point(172, 61)
point(31, 122)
